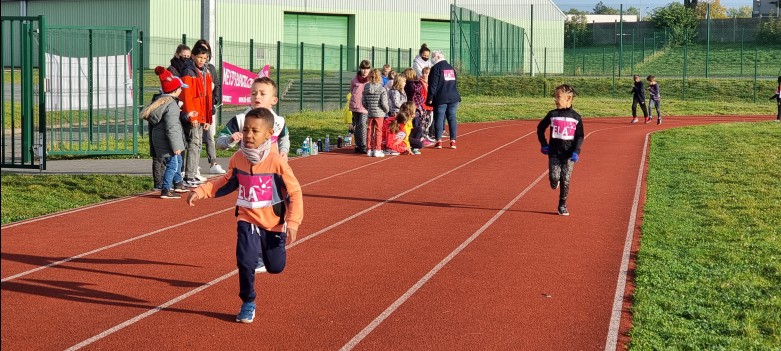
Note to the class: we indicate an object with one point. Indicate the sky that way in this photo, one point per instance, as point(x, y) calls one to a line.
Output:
point(588, 5)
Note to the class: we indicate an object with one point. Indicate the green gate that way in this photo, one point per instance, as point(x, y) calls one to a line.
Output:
point(91, 85)
point(23, 39)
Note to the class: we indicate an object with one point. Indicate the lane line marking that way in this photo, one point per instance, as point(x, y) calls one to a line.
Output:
point(419, 284)
point(611, 342)
point(57, 263)
point(411, 291)
point(113, 201)
point(345, 220)
point(109, 246)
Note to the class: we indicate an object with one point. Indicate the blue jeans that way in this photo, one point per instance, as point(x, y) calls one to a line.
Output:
point(173, 172)
point(446, 111)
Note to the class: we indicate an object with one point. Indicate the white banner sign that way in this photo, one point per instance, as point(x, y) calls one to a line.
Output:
point(67, 88)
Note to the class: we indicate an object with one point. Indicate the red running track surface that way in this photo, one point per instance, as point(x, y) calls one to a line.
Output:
point(453, 249)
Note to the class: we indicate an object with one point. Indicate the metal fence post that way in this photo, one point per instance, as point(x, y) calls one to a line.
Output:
point(531, 40)
point(707, 50)
point(322, 77)
point(301, 81)
point(140, 79)
point(357, 55)
point(41, 91)
point(341, 75)
point(685, 61)
point(545, 63)
point(621, 40)
point(89, 87)
point(386, 55)
point(374, 64)
point(742, 36)
point(279, 71)
point(184, 39)
point(251, 55)
point(409, 56)
point(219, 51)
point(756, 71)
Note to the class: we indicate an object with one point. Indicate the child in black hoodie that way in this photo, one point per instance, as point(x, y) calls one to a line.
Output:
point(638, 97)
point(566, 138)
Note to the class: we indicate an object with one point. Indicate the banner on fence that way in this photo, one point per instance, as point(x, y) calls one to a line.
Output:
point(237, 82)
point(67, 80)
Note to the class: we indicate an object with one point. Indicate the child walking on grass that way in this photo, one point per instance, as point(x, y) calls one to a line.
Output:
point(269, 207)
point(566, 138)
point(654, 100)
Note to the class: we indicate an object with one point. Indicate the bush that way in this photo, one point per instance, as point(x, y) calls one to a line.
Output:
point(770, 32)
point(681, 21)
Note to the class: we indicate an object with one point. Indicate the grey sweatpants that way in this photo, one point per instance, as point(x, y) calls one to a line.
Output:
point(193, 152)
point(360, 124)
point(559, 172)
point(208, 139)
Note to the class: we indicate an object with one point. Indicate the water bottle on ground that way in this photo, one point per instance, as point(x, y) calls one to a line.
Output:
point(305, 146)
point(314, 149)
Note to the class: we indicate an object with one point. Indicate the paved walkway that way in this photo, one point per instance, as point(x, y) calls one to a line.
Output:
point(140, 167)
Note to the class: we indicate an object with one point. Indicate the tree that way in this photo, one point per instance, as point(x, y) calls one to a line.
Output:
point(740, 12)
point(577, 28)
point(717, 11)
point(574, 11)
point(632, 11)
point(681, 22)
point(601, 9)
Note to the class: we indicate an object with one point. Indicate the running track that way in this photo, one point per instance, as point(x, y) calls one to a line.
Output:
point(454, 249)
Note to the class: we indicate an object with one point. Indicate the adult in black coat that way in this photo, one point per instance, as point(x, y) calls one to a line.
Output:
point(444, 97)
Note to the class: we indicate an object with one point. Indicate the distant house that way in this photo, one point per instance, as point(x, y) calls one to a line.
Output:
point(766, 8)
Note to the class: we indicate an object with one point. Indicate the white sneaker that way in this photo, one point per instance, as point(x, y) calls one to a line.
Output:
point(200, 178)
point(379, 154)
point(370, 153)
point(216, 169)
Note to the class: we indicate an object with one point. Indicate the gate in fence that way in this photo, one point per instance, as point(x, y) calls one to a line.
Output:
point(23, 111)
point(91, 90)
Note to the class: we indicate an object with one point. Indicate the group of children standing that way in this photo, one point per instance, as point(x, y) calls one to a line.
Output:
point(390, 116)
point(638, 98)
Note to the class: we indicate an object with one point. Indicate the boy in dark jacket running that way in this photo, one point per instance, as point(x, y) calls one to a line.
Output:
point(566, 138)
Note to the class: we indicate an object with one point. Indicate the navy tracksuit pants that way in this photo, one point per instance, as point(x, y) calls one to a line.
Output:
point(251, 242)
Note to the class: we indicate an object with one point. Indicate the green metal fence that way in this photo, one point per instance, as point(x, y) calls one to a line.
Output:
point(483, 45)
point(90, 90)
point(23, 110)
point(720, 49)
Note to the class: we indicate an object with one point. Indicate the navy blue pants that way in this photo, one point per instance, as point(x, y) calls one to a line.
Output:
point(251, 242)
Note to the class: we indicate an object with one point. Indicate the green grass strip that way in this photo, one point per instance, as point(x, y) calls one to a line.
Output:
point(26, 196)
point(709, 266)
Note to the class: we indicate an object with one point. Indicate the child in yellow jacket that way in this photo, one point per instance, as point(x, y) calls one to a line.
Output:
point(269, 207)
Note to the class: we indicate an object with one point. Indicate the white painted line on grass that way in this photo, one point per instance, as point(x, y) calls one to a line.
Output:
point(202, 287)
point(618, 300)
point(411, 291)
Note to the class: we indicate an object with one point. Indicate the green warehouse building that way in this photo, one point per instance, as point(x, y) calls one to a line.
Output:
point(490, 35)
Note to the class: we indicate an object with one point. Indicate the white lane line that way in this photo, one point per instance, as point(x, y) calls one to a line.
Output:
point(618, 300)
point(202, 287)
point(192, 220)
point(411, 291)
point(65, 212)
point(110, 246)
point(149, 313)
point(58, 214)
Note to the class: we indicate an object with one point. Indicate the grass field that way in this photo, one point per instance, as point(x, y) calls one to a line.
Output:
point(709, 266)
point(725, 60)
